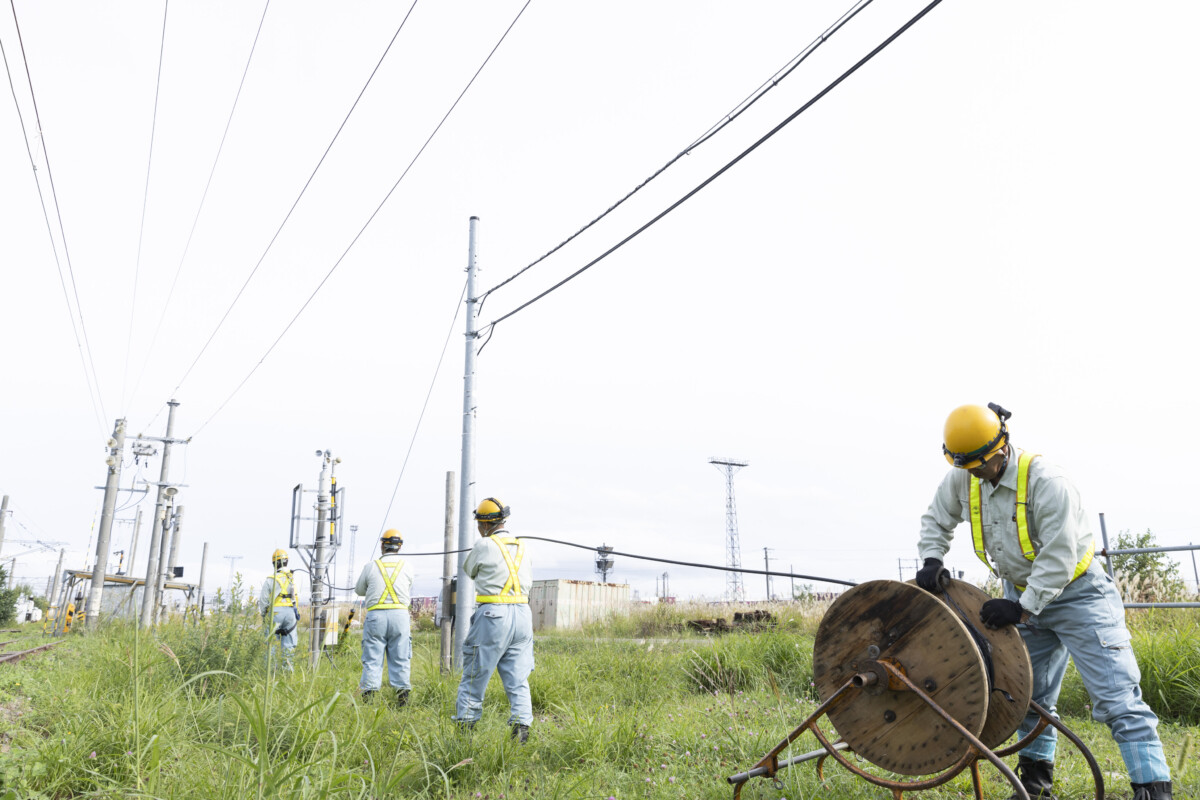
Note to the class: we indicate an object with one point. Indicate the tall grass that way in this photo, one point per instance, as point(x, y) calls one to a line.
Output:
point(200, 712)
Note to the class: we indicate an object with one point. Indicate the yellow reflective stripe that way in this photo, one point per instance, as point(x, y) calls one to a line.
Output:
point(976, 504)
point(512, 587)
point(388, 598)
point(283, 583)
point(501, 598)
point(1021, 513)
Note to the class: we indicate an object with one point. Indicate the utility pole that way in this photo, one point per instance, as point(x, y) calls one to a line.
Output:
point(734, 591)
point(767, 561)
point(3, 517)
point(200, 585)
point(466, 495)
point(319, 566)
point(350, 566)
point(176, 524)
point(116, 453)
point(158, 530)
point(163, 553)
point(446, 653)
point(137, 526)
point(792, 570)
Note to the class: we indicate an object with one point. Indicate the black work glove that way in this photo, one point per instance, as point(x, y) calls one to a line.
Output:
point(998, 613)
point(929, 577)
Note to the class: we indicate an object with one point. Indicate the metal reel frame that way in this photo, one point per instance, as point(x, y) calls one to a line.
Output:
point(882, 670)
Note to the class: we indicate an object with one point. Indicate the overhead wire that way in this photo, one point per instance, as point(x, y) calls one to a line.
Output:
point(296, 202)
point(370, 219)
point(424, 406)
point(137, 264)
point(85, 348)
point(203, 196)
point(791, 117)
point(780, 74)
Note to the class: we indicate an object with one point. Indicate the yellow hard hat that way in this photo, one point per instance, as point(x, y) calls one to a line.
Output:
point(492, 510)
point(974, 433)
point(279, 555)
point(391, 536)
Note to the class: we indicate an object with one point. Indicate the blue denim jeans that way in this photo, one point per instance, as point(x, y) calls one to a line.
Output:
point(386, 631)
point(1087, 622)
point(500, 639)
point(284, 617)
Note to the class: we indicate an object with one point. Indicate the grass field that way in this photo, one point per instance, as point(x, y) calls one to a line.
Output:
point(633, 709)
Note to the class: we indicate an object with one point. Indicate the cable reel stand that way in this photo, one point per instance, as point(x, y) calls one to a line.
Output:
point(914, 685)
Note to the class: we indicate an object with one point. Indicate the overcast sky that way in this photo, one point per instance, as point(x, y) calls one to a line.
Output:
point(1001, 206)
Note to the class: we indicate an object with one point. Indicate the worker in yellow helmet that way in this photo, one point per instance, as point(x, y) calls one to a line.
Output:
point(386, 583)
point(278, 607)
point(501, 633)
point(1030, 529)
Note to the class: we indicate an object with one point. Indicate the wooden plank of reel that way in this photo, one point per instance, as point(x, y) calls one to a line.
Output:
point(1012, 684)
point(915, 632)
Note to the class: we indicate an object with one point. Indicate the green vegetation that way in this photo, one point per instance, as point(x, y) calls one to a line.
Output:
point(198, 711)
point(1147, 577)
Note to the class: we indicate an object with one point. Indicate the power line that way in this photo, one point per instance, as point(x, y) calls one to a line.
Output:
point(421, 417)
point(723, 169)
point(92, 380)
point(137, 264)
point(203, 196)
point(713, 130)
point(370, 219)
point(295, 203)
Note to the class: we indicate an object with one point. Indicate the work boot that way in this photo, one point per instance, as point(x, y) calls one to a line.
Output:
point(521, 734)
point(368, 695)
point(1159, 790)
point(465, 726)
point(401, 698)
point(1037, 777)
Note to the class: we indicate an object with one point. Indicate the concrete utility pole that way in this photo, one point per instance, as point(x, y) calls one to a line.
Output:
point(350, 566)
point(767, 561)
point(319, 566)
point(200, 585)
point(133, 543)
point(116, 453)
point(3, 518)
point(176, 524)
point(52, 612)
point(466, 495)
point(158, 530)
point(163, 552)
point(447, 648)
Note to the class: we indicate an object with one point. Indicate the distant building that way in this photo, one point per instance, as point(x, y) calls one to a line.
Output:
point(567, 604)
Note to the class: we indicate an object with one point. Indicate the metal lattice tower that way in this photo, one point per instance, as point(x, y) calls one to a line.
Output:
point(735, 592)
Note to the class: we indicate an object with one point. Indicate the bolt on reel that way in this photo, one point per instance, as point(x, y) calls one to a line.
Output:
point(915, 685)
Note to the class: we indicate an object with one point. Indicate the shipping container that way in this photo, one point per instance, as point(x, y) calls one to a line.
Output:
point(567, 604)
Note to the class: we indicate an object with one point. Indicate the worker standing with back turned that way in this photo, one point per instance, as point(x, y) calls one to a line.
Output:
point(501, 633)
point(1027, 516)
point(277, 605)
point(386, 583)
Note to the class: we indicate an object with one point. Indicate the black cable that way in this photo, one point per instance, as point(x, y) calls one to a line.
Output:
point(421, 417)
point(370, 219)
point(713, 130)
point(92, 380)
point(203, 196)
point(606, 551)
point(288, 215)
point(137, 264)
point(727, 167)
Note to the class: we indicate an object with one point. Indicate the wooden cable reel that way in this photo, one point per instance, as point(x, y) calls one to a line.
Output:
point(915, 684)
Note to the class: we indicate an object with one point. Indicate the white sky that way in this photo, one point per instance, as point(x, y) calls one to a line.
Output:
point(996, 208)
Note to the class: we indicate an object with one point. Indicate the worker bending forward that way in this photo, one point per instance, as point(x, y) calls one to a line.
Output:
point(386, 583)
point(277, 604)
point(1026, 515)
point(501, 634)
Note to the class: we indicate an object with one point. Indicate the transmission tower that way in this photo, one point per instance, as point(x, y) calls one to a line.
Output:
point(734, 591)
point(232, 561)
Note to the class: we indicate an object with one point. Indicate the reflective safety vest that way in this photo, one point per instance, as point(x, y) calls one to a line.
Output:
point(511, 592)
point(1020, 516)
point(285, 597)
point(390, 571)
